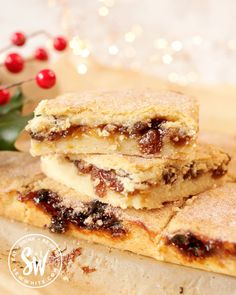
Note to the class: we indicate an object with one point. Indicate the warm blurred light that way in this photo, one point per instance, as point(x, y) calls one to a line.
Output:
point(79, 47)
point(167, 59)
point(129, 37)
point(160, 43)
point(137, 29)
point(197, 40)
point(84, 52)
point(82, 69)
point(113, 50)
point(76, 42)
point(103, 11)
point(176, 45)
point(49, 44)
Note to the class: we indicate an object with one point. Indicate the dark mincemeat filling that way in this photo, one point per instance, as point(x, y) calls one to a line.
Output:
point(149, 135)
point(193, 172)
point(170, 174)
point(93, 215)
point(195, 247)
point(192, 246)
point(108, 178)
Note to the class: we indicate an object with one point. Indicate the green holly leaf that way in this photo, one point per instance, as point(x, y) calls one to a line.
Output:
point(16, 103)
point(11, 124)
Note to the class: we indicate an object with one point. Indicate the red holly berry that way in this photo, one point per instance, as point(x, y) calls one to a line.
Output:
point(4, 96)
point(18, 39)
point(60, 43)
point(46, 79)
point(41, 54)
point(14, 63)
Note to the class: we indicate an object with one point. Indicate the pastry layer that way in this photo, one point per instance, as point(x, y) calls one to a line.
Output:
point(126, 181)
point(51, 205)
point(87, 264)
point(126, 122)
point(142, 232)
point(203, 233)
point(42, 202)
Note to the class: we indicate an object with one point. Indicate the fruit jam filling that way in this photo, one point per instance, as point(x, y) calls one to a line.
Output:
point(192, 246)
point(149, 135)
point(195, 247)
point(94, 215)
point(106, 178)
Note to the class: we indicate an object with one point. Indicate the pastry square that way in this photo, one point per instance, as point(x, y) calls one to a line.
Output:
point(46, 203)
point(131, 181)
point(200, 232)
point(203, 233)
point(143, 123)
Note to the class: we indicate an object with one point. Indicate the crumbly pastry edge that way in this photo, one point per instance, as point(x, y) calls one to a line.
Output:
point(66, 110)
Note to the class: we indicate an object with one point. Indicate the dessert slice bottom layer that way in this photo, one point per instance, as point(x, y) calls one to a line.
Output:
point(203, 233)
point(199, 232)
point(61, 210)
point(125, 181)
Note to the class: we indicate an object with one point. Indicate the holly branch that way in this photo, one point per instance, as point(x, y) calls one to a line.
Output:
point(11, 119)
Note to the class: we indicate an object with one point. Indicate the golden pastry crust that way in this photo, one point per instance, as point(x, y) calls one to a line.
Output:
point(138, 239)
point(118, 107)
point(203, 233)
point(210, 215)
point(18, 170)
point(138, 228)
point(198, 217)
point(126, 181)
point(130, 122)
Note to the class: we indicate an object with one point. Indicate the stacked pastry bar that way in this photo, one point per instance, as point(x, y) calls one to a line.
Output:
point(125, 148)
point(199, 232)
point(120, 168)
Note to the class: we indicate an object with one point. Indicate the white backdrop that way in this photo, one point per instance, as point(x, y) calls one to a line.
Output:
point(27, 15)
point(184, 41)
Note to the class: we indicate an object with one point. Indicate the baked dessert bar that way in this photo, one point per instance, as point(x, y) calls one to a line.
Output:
point(203, 233)
point(131, 181)
point(46, 203)
point(85, 265)
point(198, 233)
point(144, 123)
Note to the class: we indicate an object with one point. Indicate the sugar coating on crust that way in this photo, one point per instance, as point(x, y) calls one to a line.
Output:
point(154, 219)
point(211, 214)
point(118, 107)
point(18, 169)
